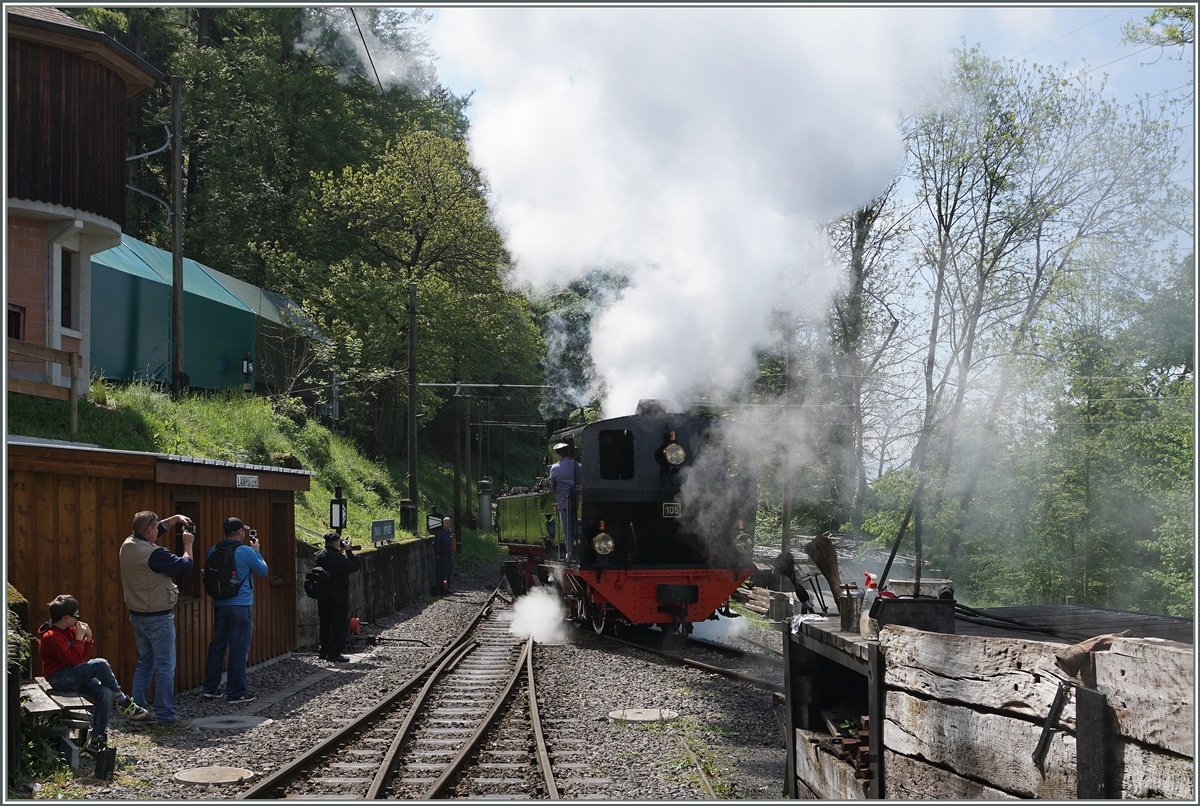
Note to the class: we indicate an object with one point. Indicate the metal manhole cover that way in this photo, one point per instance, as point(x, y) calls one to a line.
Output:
point(642, 715)
point(229, 721)
point(213, 775)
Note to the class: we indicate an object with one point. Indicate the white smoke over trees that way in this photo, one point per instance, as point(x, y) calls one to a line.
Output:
point(372, 41)
point(703, 149)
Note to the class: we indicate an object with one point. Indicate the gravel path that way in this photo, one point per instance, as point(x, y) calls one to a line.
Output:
point(728, 725)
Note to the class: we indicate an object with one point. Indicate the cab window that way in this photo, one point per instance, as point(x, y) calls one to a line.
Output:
point(616, 454)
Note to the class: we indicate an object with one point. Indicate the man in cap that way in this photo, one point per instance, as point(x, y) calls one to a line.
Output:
point(333, 608)
point(564, 480)
point(147, 574)
point(233, 618)
point(443, 555)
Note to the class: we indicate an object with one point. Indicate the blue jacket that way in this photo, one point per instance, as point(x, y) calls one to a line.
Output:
point(247, 560)
point(563, 476)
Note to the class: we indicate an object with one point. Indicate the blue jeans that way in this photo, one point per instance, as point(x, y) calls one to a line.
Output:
point(232, 628)
point(155, 636)
point(95, 680)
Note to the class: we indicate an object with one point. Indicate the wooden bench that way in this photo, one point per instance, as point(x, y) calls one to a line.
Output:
point(70, 709)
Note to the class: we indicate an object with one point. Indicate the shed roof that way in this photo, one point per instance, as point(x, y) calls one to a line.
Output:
point(194, 460)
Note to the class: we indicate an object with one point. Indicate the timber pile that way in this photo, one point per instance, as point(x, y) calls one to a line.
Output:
point(756, 599)
point(967, 712)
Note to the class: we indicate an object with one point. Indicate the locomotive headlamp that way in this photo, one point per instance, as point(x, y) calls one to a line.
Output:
point(603, 543)
point(674, 453)
point(743, 543)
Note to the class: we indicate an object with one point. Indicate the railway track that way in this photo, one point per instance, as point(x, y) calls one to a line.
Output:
point(754, 664)
point(460, 727)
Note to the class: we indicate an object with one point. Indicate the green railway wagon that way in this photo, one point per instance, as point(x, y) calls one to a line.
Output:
point(524, 520)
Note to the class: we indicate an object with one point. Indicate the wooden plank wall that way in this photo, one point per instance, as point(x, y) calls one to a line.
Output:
point(964, 714)
point(66, 113)
point(65, 532)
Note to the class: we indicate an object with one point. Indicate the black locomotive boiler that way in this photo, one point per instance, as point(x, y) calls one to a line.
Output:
point(665, 521)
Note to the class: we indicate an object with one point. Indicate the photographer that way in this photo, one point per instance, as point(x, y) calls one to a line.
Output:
point(334, 608)
point(233, 618)
point(147, 576)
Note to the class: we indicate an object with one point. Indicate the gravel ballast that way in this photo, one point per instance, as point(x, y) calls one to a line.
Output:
point(728, 725)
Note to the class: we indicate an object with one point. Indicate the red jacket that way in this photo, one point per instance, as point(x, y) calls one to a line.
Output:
point(59, 648)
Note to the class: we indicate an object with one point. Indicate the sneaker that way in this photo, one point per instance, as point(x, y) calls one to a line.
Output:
point(211, 695)
point(245, 698)
point(177, 722)
point(96, 744)
point(339, 659)
point(134, 711)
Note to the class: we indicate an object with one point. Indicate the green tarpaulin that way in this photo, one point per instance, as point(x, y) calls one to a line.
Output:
point(131, 319)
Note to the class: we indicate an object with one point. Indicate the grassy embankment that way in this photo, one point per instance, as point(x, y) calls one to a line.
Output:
point(235, 428)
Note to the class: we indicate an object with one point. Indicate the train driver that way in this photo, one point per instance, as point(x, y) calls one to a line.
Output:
point(564, 480)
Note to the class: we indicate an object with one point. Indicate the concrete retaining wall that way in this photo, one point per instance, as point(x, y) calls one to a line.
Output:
point(392, 576)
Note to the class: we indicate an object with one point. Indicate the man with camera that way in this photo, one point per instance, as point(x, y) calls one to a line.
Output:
point(233, 618)
point(147, 571)
point(334, 607)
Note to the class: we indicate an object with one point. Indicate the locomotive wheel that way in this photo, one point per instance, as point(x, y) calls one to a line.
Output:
point(600, 623)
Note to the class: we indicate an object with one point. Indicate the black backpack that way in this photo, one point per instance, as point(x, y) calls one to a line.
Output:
point(317, 583)
point(220, 573)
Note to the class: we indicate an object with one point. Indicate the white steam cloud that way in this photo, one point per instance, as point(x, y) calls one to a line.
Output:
point(703, 147)
point(539, 614)
point(721, 629)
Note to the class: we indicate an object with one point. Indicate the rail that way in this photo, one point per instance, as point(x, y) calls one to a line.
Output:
point(270, 786)
point(66, 359)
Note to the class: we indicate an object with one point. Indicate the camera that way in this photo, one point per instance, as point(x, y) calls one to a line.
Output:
point(190, 528)
point(253, 534)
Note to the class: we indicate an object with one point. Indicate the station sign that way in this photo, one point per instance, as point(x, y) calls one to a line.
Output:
point(383, 531)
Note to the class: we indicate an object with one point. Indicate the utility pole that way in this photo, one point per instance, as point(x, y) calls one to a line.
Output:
point(458, 467)
point(412, 393)
point(467, 456)
point(786, 544)
point(179, 380)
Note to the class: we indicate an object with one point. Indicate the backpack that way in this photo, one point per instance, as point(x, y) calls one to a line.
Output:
point(220, 573)
point(317, 583)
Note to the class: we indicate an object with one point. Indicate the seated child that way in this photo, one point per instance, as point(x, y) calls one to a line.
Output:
point(65, 645)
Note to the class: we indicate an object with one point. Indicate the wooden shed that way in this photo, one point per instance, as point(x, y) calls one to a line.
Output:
point(70, 507)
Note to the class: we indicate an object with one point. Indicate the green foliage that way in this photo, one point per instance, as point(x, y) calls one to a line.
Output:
point(419, 215)
point(1165, 26)
point(271, 96)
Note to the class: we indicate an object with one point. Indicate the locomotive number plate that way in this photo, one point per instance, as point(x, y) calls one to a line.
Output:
point(671, 510)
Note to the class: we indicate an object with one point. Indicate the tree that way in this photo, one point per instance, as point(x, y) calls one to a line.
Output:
point(863, 329)
point(1018, 168)
point(419, 215)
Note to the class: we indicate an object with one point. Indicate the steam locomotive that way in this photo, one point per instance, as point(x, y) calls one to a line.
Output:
point(664, 521)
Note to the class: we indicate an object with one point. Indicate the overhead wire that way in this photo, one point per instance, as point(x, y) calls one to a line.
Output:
point(367, 50)
point(1068, 33)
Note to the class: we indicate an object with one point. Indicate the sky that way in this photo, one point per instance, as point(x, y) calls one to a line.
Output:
point(698, 150)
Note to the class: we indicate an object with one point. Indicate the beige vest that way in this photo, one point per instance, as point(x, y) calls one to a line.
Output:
point(146, 591)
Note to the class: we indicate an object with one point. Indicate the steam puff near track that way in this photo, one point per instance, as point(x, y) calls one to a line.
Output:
point(721, 629)
point(539, 614)
point(697, 150)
